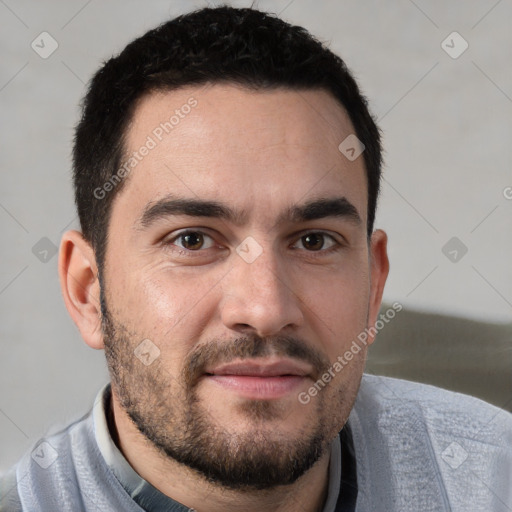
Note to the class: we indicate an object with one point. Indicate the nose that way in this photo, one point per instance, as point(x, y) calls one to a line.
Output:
point(258, 297)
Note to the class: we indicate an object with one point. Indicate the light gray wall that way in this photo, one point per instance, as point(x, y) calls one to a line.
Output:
point(447, 132)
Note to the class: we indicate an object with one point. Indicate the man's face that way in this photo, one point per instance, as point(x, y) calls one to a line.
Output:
point(244, 312)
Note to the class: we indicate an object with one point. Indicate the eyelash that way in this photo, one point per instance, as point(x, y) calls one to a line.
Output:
point(200, 252)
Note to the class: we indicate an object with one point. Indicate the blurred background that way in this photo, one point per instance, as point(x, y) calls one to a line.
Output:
point(439, 82)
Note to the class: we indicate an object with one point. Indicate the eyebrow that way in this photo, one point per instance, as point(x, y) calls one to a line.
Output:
point(312, 210)
point(322, 208)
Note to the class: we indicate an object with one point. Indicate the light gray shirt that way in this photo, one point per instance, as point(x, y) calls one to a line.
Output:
point(416, 447)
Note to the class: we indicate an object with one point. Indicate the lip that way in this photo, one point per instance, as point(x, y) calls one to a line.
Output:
point(260, 379)
point(262, 368)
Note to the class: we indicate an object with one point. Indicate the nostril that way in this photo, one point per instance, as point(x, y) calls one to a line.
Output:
point(243, 327)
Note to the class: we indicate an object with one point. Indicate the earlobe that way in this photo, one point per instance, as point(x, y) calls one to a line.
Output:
point(80, 286)
point(379, 268)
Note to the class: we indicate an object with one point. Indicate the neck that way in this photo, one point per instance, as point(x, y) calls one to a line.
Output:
point(186, 486)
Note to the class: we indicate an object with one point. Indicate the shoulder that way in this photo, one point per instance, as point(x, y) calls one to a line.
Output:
point(55, 466)
point(9, 497)
point(415, 442)
point(387, 391)
point(39, 468)
point(44, 453)
point(443, 409)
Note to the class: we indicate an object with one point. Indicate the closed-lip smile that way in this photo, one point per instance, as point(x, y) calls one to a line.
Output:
point(260, 378)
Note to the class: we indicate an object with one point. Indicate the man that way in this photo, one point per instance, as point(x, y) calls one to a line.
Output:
point(226, 172)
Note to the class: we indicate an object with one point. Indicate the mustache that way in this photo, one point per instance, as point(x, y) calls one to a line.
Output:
point(249, 347)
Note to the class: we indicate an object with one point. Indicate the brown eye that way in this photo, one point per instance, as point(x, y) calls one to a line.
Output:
point(193, 240)
point(313, 241)
point(317, 241)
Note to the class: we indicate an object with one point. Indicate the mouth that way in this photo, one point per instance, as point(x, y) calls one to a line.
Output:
point(260, 379)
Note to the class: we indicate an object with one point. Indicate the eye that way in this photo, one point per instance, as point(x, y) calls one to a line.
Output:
point(317, 241)
point(192, 240)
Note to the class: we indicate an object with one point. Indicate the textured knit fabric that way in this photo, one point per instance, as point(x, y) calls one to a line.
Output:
point(421, 448)
point(88, 446)
point(417, 448)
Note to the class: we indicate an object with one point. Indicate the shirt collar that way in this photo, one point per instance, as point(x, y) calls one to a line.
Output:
point(142, 492)
point(150, 498)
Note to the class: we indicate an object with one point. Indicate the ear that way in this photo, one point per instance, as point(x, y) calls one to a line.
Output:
point(80, 286)
point(379, 270)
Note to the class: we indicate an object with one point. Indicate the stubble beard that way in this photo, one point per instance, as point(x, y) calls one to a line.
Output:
point(168, 412)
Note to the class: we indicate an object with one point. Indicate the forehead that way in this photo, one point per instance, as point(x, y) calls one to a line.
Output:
point(228, 142)
point(237, 114)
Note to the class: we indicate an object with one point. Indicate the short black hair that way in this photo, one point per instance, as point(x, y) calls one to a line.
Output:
point(242, 46)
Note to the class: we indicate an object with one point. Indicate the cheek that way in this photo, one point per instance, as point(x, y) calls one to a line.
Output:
point(339, 307)
point(168, 306)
